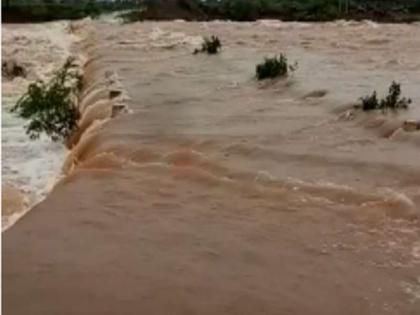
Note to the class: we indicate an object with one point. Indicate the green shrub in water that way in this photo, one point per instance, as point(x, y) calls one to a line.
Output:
point(370, 102)
point(51, 107)
point(393, 101)
point(210, 46)
point(274, 67)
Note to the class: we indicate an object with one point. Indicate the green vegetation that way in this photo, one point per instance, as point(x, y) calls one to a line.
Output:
point(314, 10)
point(369, 102)
point(190, 10)
point(131, 16)
point(249, 10)
point(49, 10)
point(210, 45)
point(237, 10)
point(286, 10)
point(392, 101)
point(52, 107)
point(274, 67)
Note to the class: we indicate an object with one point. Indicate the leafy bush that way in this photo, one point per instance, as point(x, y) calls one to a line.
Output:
point(274, 67)
point(392, 101)
point(370, 102)
point(210, 46)
point(51, 107)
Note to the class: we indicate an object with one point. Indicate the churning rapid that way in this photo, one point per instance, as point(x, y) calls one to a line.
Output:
point(216, 194)
point(29, 168)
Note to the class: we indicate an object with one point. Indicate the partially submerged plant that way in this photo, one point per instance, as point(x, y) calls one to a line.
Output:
point(392, 101)
point(274, 67)
point(12, 69)
point(210, 45)
point(370, 102)
point(52, 107)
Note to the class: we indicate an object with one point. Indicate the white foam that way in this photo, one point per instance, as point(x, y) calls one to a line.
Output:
point(264, 176)
point(30, 166)
point(415, 252)
point(412, 289)
point(399, 198)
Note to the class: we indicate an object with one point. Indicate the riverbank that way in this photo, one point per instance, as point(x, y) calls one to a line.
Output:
point(394, 11)
point(385, 11)
point(218, 194)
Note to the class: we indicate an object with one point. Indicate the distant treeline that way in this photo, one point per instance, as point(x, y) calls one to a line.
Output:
point(312, 10)
point(237, 10)
point(20, 11)
point(295, 10)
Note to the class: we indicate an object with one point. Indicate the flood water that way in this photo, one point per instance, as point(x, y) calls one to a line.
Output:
point(29, 168)
point(216, 193)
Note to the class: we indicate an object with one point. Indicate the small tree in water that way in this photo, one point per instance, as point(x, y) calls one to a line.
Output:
point(274, 67)
point(52, 107)
point(210, 45)
point(392, 101)
point(370, 102)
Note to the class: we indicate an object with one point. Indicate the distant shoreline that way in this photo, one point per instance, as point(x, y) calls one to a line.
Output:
point(53, 12)
point(194, 10)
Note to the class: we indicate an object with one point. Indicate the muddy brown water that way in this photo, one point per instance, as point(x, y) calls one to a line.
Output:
point(216, 194)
